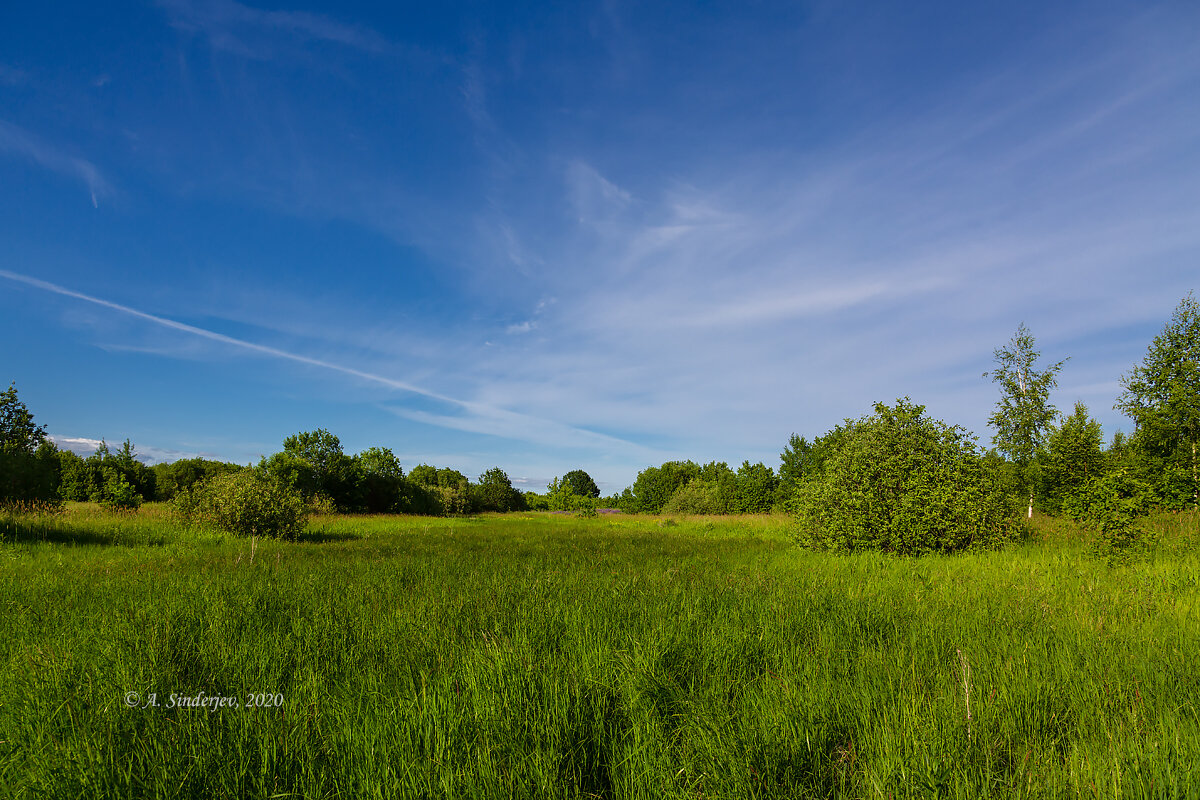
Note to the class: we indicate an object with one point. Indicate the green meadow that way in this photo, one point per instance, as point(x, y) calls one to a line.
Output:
point(537, 655)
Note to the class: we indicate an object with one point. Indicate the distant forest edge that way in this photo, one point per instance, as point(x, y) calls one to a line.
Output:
point(876, 468)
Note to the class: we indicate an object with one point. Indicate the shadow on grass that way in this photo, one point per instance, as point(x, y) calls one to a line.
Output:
point(28, 530)
point(325, 536)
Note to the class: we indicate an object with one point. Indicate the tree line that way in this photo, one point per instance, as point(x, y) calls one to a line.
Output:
point(1058, 464)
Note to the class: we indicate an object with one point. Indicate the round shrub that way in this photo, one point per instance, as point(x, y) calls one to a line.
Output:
point(696, 497)
point(116, 493)
point(900, 482)
point(246, 504)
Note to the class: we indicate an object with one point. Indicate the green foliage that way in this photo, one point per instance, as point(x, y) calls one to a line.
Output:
point(1023, 413)
point(79, 481)
point(755, 489)
point(586, 507)
point(795, 464)
point(1074, 456)
point(1166, 473)
point(18, 433)
point(312, 462)
point(176, 476)
point(655, 485)
point(536, 502)
point(1113, 506)
point(900, 482)
point(106, 477)
point(495, 492)
point(116, 493)
point(381, 484)
point(625, 501)
point(441, 491)
point(424, 475)
point(29, 466)
point(1162, 394)
point(581, 483)
point(561, 497)
point(246, 503)
point(697, 497)
point(801, 461)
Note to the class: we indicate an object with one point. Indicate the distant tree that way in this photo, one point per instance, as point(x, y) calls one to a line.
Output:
point(625, 501)
point(292, 471)
point(451, 478)
point(29, 464)
point(1023, 414)
point(561, 496)
point(381, 483)
point(18, 433)
point(380, 461)
point(756, 485)
point(495, 492)
point(795, 464)
point(136, 474)
point(330, 472)
point(1162, 394)
point(1074, 456)
point(655, 485)
point(78, 478)
point(176, 476)
point(448, 487)
point(424, 475)
point(581, 483)
point(536, 502)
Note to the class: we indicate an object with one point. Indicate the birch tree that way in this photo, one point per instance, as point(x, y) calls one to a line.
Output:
point(1162, 394)
point(1023, 415)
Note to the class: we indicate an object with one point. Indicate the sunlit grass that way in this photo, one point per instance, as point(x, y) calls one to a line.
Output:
point(542, 655)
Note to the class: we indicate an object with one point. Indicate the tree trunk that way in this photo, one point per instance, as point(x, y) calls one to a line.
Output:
point(1030, 514)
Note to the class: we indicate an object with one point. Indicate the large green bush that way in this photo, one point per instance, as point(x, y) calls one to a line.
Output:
point(245, 503)
point(696, 497)
point(900, 482)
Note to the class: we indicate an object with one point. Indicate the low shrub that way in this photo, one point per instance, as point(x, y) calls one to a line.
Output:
point(245, 504)
point(116, 493)
point(586, 507)
point(1112, 507)
point(696, 497)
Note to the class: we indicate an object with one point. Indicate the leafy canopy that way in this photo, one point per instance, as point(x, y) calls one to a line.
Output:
point(1023, 413)
point(1162, 394)
point(18, 433)
point(581, 483)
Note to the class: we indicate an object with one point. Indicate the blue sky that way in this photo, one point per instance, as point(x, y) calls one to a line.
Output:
point(594, 236)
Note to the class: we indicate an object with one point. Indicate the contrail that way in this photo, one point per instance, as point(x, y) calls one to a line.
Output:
point(274, 352)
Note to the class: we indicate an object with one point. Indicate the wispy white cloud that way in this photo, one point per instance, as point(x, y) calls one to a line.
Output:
point(594, 197)
point(147, 454)
point(76, 444)
point(239, 28)
point(18, 141)
point(474, 417)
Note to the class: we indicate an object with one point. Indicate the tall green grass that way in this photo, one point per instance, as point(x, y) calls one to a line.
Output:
point(541, 656)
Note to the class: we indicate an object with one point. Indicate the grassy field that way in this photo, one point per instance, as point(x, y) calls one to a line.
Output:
point(542, 656)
